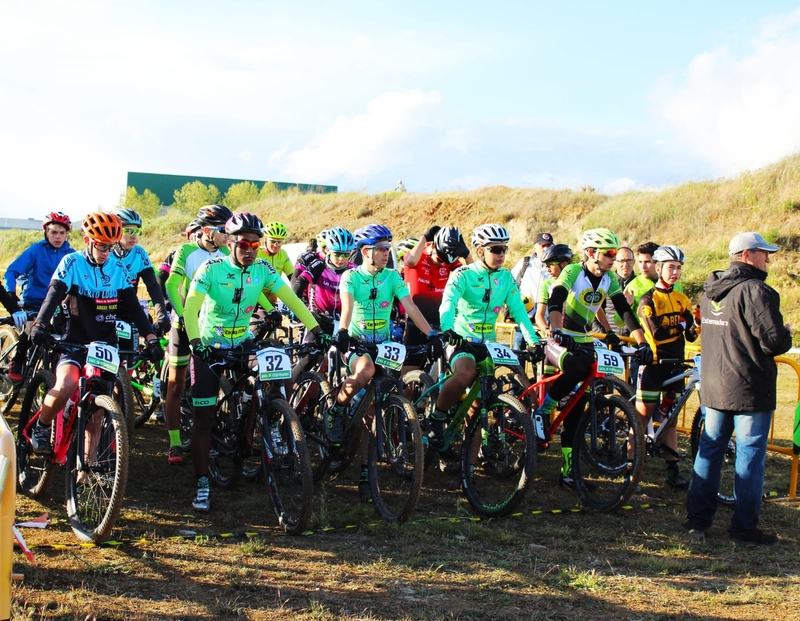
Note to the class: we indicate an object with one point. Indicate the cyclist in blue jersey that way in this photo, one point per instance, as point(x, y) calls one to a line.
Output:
point(35, 267)
point(135, 258)
point(96, 285)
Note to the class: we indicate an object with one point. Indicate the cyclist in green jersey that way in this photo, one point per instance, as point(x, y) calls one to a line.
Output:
point(577, 295)
point(368, 293)
point(222, 296)
point(209, 243)
point(471, 303)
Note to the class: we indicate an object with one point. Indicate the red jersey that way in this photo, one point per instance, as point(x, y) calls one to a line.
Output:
point(426, 282)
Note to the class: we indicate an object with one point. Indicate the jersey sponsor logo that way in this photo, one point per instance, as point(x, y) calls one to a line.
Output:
point(66, 264)
point(591, 297)
point(646, 311)
point(370, 324)
point(496, 310)
point(230, 333)
point(480, 328)
point(717, 308)
point(384, 304)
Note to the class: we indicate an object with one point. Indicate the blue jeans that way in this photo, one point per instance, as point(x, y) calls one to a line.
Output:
point(752, 432)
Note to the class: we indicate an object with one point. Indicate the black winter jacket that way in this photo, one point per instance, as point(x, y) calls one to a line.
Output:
point(742, 332)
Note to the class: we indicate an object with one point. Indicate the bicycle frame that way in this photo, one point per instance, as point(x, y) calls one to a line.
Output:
point(693, 376)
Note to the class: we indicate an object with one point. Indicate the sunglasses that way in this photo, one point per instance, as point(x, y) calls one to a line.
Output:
point(497, 249)
point(611, 253)
point(243, 244)
point(132, 231)
point(381, 247)
point(625, 261)
point(275, 242)
point(103, 247)
point(340, 255)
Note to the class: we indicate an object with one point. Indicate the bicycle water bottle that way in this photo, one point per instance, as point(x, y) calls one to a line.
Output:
point(564, 401)
point(68, 408)
point(357, 400)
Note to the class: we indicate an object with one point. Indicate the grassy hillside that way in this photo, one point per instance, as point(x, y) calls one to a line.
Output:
point(699, 217)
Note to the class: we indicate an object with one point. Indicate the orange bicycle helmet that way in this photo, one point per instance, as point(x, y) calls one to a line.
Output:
point(103, 228)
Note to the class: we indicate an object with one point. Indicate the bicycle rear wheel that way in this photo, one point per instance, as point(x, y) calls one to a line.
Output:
point(310, 399)
point(604, 475)
point(225, 453)
point(498, 471)
point(415, 383)
point(395, 459)
point(145, 398)
point(95, 492)
point(286, 465)
point(123, 395)
point(728, 472)
point(33, 471)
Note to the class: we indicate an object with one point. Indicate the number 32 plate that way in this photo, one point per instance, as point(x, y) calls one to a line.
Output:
point(273, 364)
point(391, 355)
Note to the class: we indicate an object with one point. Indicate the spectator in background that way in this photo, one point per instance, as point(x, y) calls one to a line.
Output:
point(400, 187)
point(743, 331)
point(529, 273)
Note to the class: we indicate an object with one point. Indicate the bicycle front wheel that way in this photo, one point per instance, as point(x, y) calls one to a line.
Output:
point(310, 400)
point(96, 489)
point(123, 395)
point(498, 460)
point(395, 459)
point(605, 476)
point(728, 473)
point(225, 453)
point(287, 466)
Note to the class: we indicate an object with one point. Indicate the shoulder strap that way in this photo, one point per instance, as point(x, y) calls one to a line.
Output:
point(525, 262)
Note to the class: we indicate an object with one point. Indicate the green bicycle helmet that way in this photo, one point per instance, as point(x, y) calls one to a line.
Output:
point(276, 230)
point(602, 239)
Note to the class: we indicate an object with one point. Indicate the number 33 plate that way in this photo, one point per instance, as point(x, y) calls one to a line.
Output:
point(391, 355)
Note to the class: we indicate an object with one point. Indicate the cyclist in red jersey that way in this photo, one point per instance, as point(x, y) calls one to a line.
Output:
point(426, 269)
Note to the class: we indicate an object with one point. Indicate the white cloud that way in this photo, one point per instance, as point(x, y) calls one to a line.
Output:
point(356, 148)
point(739, 110)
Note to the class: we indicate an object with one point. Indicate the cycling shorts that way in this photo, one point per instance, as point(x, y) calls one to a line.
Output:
point(651, 378)
point(204, 379)
point(453, 353)
point(76, 358)
point(178, 348)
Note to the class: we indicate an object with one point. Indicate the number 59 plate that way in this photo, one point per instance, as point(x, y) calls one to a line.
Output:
point(609, 361)
point(273, 364)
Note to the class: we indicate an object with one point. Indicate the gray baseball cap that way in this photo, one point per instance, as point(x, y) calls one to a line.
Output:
point(750, 241)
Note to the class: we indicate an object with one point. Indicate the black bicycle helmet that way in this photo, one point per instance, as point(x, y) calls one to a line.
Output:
point(214, 215)
point(244, 223)
point(449, 244)
point(557, 254)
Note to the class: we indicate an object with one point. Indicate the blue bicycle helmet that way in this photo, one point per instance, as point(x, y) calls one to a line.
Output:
point(128, 217)
point(339, 239)
point(372, 234)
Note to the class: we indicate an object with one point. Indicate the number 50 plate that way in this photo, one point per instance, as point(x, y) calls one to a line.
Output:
point(103, 356)
point(273, 364)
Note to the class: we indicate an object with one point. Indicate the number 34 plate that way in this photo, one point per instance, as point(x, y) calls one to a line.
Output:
point(273, 364)
point(500, 354)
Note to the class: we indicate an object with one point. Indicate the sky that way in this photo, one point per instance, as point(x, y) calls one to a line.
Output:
point(441, 95)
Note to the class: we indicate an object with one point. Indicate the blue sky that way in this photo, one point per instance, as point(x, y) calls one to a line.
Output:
point(443, 95)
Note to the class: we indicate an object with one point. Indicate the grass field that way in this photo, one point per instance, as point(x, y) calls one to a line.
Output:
point(552, 561)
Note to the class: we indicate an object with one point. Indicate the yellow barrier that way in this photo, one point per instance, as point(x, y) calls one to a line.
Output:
point(691, 349)
point(8, 491)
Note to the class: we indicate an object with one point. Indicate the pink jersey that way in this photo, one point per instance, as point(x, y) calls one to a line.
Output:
point(323, 295)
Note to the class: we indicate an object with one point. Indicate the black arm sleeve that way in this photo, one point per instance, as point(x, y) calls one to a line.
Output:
point(625, 311)
point(557, 298)
point(153, 288)
point(56, 293)
point(299, 286)
point(127, 297)
point(7, 300)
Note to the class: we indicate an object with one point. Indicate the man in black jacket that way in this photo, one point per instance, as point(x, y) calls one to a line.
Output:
point(742, 332)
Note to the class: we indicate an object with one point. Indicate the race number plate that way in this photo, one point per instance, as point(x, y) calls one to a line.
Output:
point(123, 330)
point(391, 355)
point(500, 354)
point(273, 364)
point(609, 361)
point(103, 356)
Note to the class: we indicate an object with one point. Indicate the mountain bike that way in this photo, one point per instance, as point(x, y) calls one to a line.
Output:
point(36, 358)
point(395, 453)
point(605, 477)
point(257, 431)
point(497, 442)
point(89, 436)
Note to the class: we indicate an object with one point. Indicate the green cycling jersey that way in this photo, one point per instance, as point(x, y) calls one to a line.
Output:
point(472, 301)
point(188, 258)
point(373, 297)
point(223, 296)
point(584, 298)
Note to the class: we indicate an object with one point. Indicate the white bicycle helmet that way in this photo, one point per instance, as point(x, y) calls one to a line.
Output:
point(668, 253)
point(487, 234)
